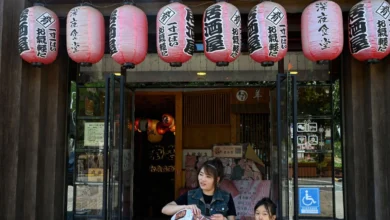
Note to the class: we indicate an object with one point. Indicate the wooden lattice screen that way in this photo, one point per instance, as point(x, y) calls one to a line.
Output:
point(255, 129)
point(206, 108)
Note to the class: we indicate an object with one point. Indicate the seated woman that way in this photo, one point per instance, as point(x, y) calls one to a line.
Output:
point(265, 209)
point(208, 199)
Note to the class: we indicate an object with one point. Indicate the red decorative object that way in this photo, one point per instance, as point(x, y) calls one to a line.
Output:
point(175, 33)
point(161, 129)
point(322, 31)
point(128, 35)
point(267, 33)
point(38, 35)
point(85, 35)
point(222, 33)
point(168, 120)
point(369, 34)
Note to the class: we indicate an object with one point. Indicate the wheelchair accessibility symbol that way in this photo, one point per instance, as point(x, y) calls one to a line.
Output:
point(309, 201)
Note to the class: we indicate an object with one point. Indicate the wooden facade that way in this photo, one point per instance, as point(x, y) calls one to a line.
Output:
point(33, 131)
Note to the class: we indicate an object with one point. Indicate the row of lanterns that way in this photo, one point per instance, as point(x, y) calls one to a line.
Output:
point(321, 30)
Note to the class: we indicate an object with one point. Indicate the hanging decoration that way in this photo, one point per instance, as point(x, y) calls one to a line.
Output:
point(175, 33)
point(322, 31)
point(153, 135)
point(128, 34)
point(222, 33)
point(85, 35)
point(267, 33)
point(38, 35)
point(369, 24)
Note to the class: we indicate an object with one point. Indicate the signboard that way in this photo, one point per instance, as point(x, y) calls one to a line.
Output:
point(309, 201)
point(94, 134)
point(232, 151)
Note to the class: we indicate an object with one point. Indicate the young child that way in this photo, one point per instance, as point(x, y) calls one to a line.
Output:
point(265, 209)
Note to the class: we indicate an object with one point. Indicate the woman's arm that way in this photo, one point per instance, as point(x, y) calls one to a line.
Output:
point(171, 208)
point(231, 217)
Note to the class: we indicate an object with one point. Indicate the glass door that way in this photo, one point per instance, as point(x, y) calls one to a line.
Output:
point(118, 149)
point(284, 106)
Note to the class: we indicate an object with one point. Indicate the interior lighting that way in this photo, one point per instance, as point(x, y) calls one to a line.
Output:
point(201, 73)
point(117, 74)
point(294, 72)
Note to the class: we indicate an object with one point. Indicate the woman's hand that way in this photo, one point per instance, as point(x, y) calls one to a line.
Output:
point(195, 210)
point(217, 217)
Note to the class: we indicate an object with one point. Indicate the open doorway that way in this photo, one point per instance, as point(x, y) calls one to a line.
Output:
point(154, 142)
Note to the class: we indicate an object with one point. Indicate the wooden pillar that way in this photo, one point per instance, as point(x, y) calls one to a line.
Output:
point(32, 129)
point(366, 126)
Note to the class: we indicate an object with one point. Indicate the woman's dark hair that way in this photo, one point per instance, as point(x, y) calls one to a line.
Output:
point(268, 204)
point(213, 168)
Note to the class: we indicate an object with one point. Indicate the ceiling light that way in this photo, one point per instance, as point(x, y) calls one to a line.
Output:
point(117, 74)
point(294, 72)
point(201, 73)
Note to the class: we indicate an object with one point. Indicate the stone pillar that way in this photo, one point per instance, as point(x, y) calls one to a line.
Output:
point(366, 105)
point(32, 129)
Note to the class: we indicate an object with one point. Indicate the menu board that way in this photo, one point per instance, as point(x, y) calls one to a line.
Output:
point(94, 134)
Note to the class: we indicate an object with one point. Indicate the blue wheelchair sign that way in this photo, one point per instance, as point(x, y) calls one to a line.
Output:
point(309, 201)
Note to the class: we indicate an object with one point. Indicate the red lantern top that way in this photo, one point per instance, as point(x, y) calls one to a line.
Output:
point(128, 35)
point(322, 31)
point(267, 33)
point(175, 34)
point(38, 35)
point(222, 33)
point(85, 35)
point(369, 30)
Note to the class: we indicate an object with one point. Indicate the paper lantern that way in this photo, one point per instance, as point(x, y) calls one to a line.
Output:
point(222, 33)
point(368, 28)
point(38, 35)
point(85, 35)
point(128, 35)
point(267, 33)
point(175, 34)
point(153, 135)
point(322, 31)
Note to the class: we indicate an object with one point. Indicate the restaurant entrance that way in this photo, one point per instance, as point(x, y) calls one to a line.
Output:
point(124, 188)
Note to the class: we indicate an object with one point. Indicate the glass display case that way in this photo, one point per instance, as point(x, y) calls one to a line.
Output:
point(88, 176)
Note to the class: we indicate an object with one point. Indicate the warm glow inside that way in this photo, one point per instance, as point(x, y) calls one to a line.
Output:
point(117, 74)
point(201, 73)
point(294, 72)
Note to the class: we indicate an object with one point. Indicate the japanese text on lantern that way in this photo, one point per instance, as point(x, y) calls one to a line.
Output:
point(190, 35)
point(384, 11)
point(283, 36)
point(236, 43)
point(112, 30)
point(273, 41)
point(254, 41)
point(358, 29)
point(173, 36)
point(166, 15)
point(236, 19)
point(275, 17)
point(45, 20)
point(74, 33)
point(41, 42)
point(161, 40)
point(322, 8)
point(213, 29)
point(23, 31)
point(52, 39)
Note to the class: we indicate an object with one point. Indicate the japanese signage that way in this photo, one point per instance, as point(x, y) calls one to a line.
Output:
point(322, 17)
point(213, 29)
point(358, 29)
point(190, 34)
point(254, 42)
point(74, 34)
point(234, 151)
point(382, 29)
point(23, 31)
point(112, 32)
